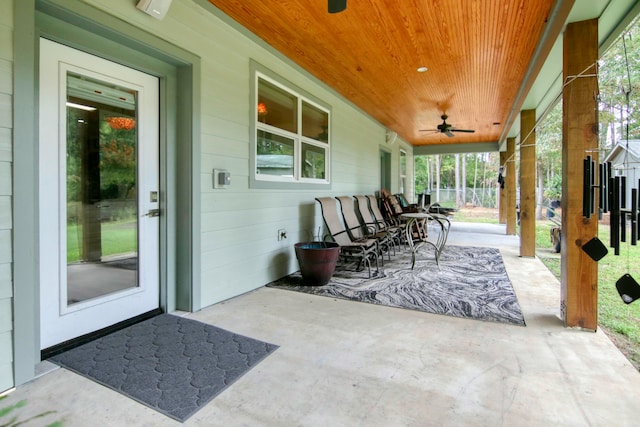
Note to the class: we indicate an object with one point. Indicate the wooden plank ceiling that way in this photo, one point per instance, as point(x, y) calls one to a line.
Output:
point(477, 53)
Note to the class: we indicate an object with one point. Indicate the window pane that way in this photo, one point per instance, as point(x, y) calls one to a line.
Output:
point(277, 107)
point(313, 161)
point(275, 154)
point(315, 123)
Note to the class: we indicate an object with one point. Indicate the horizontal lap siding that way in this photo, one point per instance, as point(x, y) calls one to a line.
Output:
point(6, 221)
point(239, 247)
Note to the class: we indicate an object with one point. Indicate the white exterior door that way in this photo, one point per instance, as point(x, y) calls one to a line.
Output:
point(99, 199)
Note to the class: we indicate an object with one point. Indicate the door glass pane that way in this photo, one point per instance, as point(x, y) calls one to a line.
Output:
point(101, 174)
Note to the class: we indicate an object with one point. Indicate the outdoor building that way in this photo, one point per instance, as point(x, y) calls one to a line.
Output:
point(206, 235)
point(169, 165)
point(625, 161)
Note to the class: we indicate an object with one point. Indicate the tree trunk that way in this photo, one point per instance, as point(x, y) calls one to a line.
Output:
point(484, 179)
point(475, 180)
point(428, 186)
point(540, 198)
point(457, 179)
point(621, 126)
point(464, 180)
point(438, 178)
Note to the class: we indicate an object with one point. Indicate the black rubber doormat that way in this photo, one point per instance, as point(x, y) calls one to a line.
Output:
point(169, 363)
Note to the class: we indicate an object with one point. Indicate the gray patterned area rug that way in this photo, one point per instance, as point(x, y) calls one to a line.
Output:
point(169, 363)
point(472, 282)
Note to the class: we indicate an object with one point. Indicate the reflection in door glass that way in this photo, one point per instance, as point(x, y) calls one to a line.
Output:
point(101, 173)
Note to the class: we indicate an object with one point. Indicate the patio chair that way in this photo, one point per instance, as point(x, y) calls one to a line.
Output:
point(404, 203)
point(420, 231)
point(393, 211)
point(380, 218)
point(364, 250)
point(358, 221)
point(436, 218)
point(437, 209)
point(368, 216)
point(434, 208)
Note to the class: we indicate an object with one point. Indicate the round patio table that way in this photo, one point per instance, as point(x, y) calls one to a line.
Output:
point(415, 244)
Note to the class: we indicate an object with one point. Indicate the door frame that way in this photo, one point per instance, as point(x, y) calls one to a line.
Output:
point(385, 168)
point(89, 29)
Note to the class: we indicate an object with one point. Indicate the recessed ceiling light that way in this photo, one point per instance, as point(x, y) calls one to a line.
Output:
point(422, 69)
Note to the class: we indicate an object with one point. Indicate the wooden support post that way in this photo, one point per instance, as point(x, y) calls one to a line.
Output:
point(510, 187)
point(528, 183)
point(579, 138)
point(502, 203)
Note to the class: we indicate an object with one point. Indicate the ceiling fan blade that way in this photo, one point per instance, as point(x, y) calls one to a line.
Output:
point(448, 133)
point(336, 6)
point(462, 130)
point(428, 130)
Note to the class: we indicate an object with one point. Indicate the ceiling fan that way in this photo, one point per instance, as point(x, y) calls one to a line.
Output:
point(336, 6)
point(446, 128)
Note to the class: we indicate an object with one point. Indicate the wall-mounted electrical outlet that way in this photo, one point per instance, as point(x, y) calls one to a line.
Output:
point(282, 234)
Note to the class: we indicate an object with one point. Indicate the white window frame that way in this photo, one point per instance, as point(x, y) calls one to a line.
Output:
point(296, 181)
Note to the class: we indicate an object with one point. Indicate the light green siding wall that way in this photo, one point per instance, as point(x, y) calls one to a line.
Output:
point(6, 120)
point(239, 247)
point(239, 250)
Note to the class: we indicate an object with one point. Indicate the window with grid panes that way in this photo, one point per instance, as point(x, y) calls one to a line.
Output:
point(292, 138)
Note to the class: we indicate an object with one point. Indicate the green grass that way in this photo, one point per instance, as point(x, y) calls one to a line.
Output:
point(617, 318)
point(613, 314)
point(543, 239)
point(117, 237)
point(620, 320)
point(481, 215)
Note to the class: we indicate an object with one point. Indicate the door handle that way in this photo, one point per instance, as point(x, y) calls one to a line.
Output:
point(152, 213)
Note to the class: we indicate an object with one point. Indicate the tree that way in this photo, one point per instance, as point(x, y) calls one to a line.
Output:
point(471, 170)
point(548, 154)
point(421, 172)
point(618, 80)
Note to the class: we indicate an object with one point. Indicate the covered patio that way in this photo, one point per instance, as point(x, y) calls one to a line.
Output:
point(344, 363)
point(222, 99)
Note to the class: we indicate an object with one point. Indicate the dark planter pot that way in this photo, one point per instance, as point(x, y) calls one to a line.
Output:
point(317, 261)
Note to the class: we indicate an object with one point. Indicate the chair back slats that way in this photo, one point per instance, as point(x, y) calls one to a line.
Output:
point(375, 211)
point(365, 250)
point(362, 202)
point(351, 220)
point(334, 224)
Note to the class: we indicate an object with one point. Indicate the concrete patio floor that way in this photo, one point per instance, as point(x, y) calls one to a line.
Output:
point(344, 363)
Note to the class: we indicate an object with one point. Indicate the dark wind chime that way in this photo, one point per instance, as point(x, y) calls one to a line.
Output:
point(612, 200)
